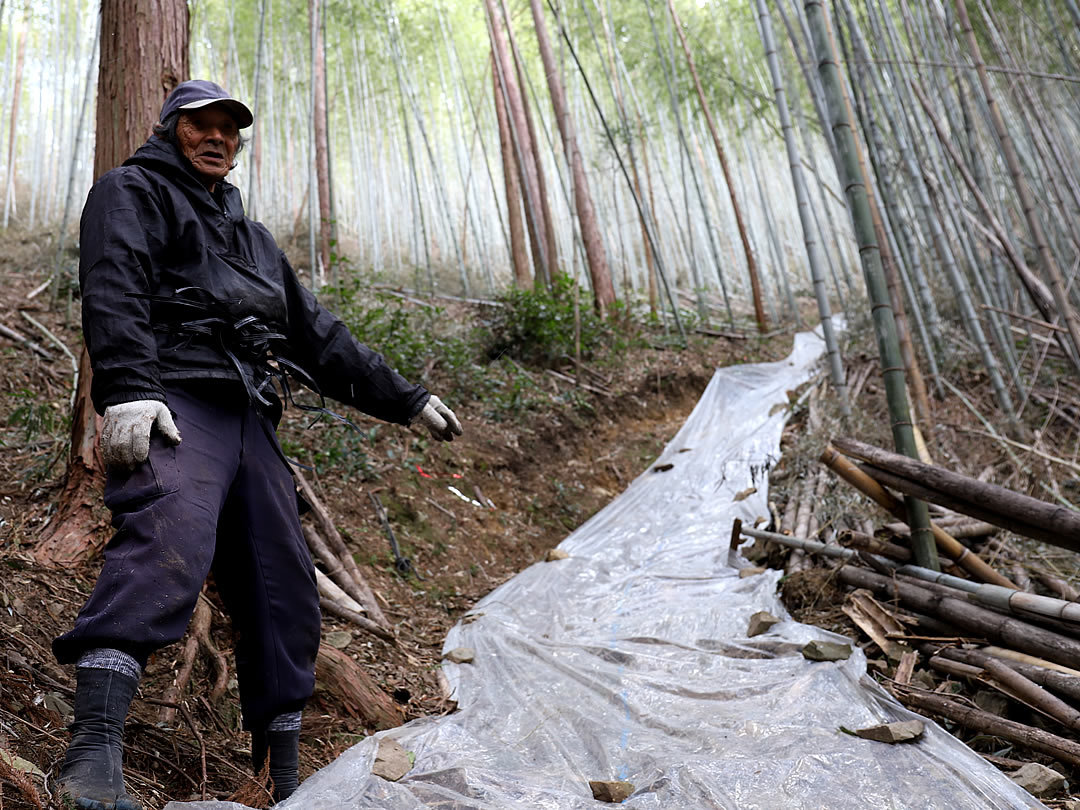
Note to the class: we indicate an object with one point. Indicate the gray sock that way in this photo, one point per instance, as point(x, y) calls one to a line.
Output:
point(285, 722)
point(116, 660)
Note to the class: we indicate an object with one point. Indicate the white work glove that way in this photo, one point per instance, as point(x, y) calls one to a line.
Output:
point(439, 419)
point(125, 436)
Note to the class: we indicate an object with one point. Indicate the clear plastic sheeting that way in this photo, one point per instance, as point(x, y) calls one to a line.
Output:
point(629, 660)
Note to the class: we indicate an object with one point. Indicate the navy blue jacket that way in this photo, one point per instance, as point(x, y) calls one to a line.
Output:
point(151, 227)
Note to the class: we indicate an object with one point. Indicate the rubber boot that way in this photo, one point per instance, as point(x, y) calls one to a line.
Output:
point(284, 750)
point(92, 774)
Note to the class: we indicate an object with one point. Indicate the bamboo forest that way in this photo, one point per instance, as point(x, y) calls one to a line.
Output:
point(666, 387)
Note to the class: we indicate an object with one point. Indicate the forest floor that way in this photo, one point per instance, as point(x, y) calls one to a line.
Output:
point(539, 457)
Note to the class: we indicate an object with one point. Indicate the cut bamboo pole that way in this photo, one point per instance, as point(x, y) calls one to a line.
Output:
point(970, 618)
point(1060, 682)
point(963, 556)
point(874, 545)
point(986, 723)
point(997, 597)
point(995, 504)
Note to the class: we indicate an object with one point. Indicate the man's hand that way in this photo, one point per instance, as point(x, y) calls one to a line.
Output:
point(125, 437)
point(440, 420)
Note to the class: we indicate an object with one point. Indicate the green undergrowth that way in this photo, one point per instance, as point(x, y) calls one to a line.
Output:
point(496, 355)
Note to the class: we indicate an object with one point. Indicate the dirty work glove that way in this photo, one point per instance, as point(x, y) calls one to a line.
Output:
point(125, 437)
point(439, 419)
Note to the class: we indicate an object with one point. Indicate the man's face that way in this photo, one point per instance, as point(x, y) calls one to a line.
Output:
point(208, 138)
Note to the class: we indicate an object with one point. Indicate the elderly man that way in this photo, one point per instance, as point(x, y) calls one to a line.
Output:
point(192, 316)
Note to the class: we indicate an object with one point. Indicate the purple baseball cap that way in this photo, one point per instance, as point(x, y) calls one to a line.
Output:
point(198, 93)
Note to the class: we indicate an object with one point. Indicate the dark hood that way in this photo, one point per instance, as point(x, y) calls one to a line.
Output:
point(161, 156)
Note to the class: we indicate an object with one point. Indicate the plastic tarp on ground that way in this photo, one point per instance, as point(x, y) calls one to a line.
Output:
point(629, 660)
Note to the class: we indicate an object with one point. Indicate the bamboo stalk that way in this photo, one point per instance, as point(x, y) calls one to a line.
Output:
point(862, 220)
point(813, 247)
point(751, 264)
point(1008, 149)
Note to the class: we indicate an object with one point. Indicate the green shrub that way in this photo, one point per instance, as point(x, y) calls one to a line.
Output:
point(537, 326)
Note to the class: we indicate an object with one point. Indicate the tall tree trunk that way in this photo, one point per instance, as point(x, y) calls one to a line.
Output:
point(523, 146)
point(548, 226)
point(144, 55)
point(518, 256)
point(9, 186)
point(751, 264)
point(603, 291)
point(322, 161)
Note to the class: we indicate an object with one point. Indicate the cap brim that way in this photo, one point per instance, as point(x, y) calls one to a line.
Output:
point(238, 109)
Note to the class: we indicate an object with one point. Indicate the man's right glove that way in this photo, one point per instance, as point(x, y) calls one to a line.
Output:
point(440, 420)
point(125, 436)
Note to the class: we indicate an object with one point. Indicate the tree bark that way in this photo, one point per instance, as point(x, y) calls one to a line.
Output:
point(341, 683)
point(144, 55)
point(603, 290)
point(505, 76)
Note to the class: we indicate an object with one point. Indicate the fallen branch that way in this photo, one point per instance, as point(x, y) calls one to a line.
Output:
point(1060, 682)
point(558, 375)
point(22, 340)
point(1032, 693)
point(337, 545)
point(361, 621)
point(335, 568)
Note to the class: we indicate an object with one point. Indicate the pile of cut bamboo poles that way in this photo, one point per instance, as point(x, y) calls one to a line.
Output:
point(970, 629)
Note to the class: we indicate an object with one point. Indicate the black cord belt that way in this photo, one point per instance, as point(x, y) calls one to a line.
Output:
point(241, 340)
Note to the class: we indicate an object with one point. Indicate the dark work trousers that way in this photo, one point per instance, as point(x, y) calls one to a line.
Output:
point(222, 500)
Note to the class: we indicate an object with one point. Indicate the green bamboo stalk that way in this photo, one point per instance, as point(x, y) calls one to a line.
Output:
point(884, 325)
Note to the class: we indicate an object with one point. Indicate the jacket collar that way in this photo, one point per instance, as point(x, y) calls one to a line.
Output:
point(162, 157)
